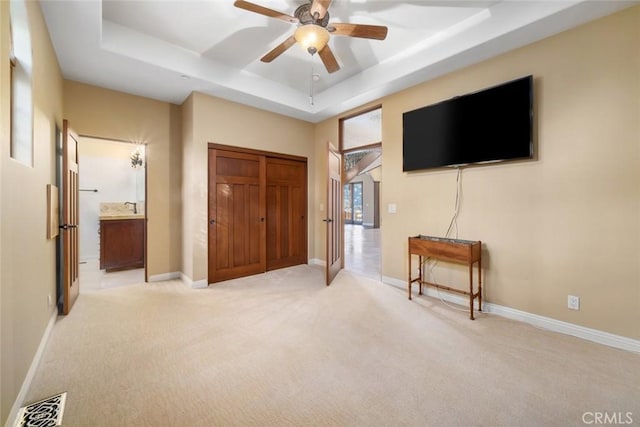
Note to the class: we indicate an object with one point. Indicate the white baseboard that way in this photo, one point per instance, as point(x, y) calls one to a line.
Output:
point(198, 284)
point(316, 261)
point(583, 332)
point(26, 384)
point(536, 320)
point(165, 276)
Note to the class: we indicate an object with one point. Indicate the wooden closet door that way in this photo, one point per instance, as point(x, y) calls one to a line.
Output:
point(236, 215)
point(286, 213)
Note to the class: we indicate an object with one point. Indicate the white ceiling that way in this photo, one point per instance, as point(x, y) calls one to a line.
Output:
point(167, 49)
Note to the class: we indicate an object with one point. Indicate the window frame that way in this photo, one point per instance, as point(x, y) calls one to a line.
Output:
point(26, 67)
point(351, 116)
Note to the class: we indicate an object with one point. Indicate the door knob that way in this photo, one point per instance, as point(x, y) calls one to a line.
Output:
point(327, 220)
point(213, 221)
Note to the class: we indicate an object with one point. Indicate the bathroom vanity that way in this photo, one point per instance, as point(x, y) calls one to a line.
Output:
point(121, 242)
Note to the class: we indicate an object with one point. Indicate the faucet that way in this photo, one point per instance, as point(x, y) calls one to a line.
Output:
point(135, 206)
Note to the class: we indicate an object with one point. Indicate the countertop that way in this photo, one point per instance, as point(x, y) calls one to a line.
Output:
point(123, 216)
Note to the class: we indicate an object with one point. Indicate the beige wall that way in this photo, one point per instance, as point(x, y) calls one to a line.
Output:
point(104, 113)
point(27, 258)
point(106, 148)
point(188, 181)
point(224, 122)
point(567, 223)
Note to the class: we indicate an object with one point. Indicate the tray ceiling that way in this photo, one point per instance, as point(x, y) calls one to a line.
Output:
point(167, 49)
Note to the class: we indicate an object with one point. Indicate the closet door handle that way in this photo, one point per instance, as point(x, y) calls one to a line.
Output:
point(213, 221)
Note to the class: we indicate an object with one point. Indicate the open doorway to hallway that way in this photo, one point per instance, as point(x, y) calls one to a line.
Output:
point(361, 217)
point(361, 146)
point(112, 213)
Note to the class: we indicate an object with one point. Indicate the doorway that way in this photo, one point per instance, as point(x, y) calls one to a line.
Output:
point(361, 148)
point(362, 224)
point(112, 199)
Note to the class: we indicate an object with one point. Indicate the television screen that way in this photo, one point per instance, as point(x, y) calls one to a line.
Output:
point(491, 125)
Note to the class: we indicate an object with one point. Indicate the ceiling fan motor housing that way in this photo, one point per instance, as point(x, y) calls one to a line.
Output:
point(303, 13)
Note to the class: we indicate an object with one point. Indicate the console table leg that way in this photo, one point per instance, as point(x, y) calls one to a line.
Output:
point(471, 291)
point(420, 275)
point(409, 281)
point(480, 281)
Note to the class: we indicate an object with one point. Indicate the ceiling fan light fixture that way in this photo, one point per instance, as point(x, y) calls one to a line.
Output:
point(313, 38)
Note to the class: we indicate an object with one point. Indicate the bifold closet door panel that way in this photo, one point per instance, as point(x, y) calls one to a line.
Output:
point(286, 212)
point(236, 215)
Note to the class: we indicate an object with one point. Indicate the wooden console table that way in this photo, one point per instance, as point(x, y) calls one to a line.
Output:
point(457, 251)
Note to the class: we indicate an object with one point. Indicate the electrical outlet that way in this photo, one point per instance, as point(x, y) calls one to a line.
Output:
point(573, 302)
point(49, 300)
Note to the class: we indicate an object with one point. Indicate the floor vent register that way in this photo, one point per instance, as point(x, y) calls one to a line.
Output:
point(44, 413)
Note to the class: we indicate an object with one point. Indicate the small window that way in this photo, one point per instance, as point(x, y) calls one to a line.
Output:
point(361, 142)
point(21, 95)
point(361, 130)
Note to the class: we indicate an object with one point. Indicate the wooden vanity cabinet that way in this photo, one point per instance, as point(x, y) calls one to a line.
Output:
point(121, 244)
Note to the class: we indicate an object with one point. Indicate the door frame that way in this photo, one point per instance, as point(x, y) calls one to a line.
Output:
point(216, 146)
point(342, 151)
point(146, 192)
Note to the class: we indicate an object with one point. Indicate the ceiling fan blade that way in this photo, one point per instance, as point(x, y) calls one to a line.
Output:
point(320, 7)
point(329, 60)
point(376, 32)
point(251, 7)
point(279, 50)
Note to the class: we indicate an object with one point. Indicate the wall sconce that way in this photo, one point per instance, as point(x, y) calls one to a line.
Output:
point(136, 158)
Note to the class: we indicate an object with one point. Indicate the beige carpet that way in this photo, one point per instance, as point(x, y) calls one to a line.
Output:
point(281, 349)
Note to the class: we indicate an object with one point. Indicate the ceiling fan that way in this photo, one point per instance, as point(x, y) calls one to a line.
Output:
point(313, 30)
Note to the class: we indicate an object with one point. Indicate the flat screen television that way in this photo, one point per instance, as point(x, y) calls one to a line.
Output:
point(491, 125)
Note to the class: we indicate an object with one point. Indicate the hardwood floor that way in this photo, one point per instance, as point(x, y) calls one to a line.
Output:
point(362, 250)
